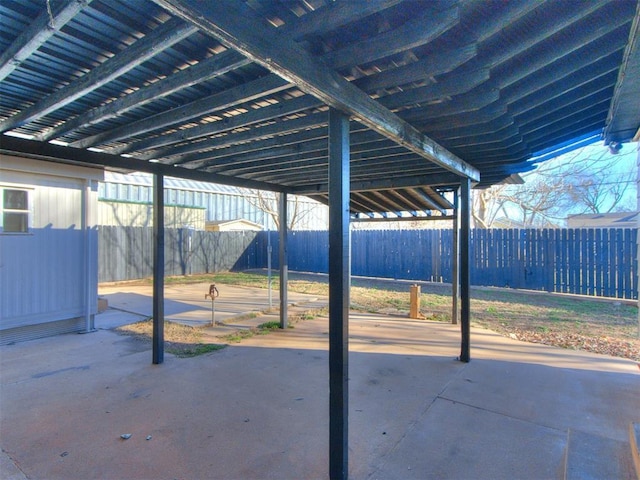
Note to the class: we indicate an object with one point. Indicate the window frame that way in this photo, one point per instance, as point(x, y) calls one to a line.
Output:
point(26, 211)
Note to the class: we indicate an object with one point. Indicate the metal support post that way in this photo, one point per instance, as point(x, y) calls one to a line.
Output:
point(638, 229)
point(158, 269)
point(465, 260)
point(269, 251)
point(455, 266)
point(284, 264)
point(339, 279)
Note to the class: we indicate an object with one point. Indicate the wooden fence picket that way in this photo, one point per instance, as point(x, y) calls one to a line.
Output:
point(600, 262)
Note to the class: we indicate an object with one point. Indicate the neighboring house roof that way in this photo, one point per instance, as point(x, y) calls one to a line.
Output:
point(504, 222)
point(232, 225)
point(604, 220)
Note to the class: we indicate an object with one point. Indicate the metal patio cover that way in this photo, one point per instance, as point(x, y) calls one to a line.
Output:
point(237, 92)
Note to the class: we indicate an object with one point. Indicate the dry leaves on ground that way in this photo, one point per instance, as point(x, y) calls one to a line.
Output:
point(603, 345)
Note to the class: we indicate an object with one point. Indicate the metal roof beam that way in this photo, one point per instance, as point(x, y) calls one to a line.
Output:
point(323, 18)
point(559, 84)
point(579, 49)
point(545, 32)
point(573, 99)
point(300, 145)
point(445, 88)
point(472, 101)
point(201, 72)
point(592, 52)
point(437, 91)
point(379, 204)
point(256, 165)
point(441, 62)
point(335, 15)
point(384, 184)
point(623, 118)
point(436, 64)
point(315, 161)
point(245, 92)
point(280, 141)
point(237, 26)
point(455, 84)
point(537, 76)
point(561, 78)
point(37, 33)
point(448, 87)
point(47, 151)
point(417, 31)
point(164, 36)
point(471, 128)
point(279, 129)
point(357, 203)
point(264, 114)
point(407, 195)
point(403, 219)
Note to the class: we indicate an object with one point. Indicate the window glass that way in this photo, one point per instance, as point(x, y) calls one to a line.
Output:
point(15, 211)
point(15, 200)
point(15, 222)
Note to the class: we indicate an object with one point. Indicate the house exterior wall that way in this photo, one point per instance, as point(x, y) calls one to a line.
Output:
point(49, 274)
point(129, 214)
point(220, 202)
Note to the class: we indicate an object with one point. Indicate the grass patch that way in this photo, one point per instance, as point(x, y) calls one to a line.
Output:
point(545, 318)
point(273, 325)
point(608, 327)
point(237, 337)
point(180, 340)
point(195, 350)
point(262, 329)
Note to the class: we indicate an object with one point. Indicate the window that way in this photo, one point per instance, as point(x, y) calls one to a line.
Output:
point(15, 211)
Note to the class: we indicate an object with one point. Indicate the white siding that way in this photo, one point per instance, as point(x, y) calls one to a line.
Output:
point(44, 274)
point(128, 214)
point(221, 202)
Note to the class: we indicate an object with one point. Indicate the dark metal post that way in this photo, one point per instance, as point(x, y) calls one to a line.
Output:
point(339, 279)
point(465, 261)
point(284, 264)
point(158, 268)
point(455, 264)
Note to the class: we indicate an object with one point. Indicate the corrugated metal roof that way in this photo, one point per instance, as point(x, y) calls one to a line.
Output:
point(197, 88)
point(146, 179)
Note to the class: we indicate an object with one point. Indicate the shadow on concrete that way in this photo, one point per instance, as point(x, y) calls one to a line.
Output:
point(259, 409)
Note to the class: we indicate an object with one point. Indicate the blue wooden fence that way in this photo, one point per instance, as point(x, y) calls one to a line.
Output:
point(598, 262)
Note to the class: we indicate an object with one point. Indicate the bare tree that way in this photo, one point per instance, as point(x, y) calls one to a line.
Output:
point(488, 203)
point(268, 203)
point(597, 182)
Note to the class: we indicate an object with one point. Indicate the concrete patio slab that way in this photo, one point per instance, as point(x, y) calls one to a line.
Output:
point(186, 304)
point(259, 409)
